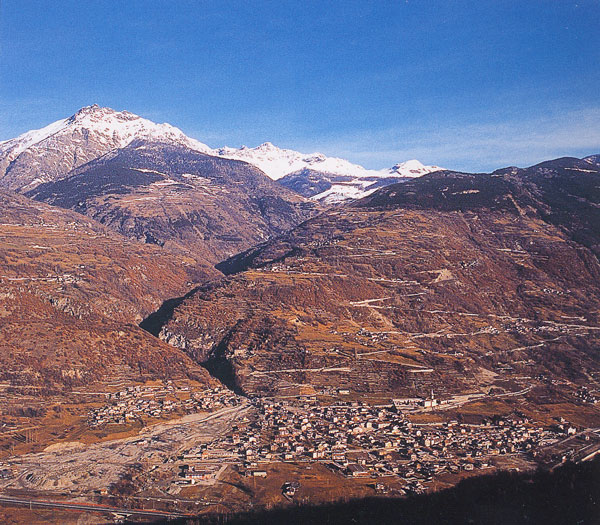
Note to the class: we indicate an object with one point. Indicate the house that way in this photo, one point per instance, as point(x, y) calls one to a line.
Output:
point(359, 457)
point(200, 475)
point(289, 488)
point(355, 470)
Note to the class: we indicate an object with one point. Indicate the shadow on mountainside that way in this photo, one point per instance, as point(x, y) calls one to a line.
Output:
point(217, 365)
point(154, 323)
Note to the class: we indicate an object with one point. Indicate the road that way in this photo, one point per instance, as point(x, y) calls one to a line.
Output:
point(89, 507)
point(582, 454)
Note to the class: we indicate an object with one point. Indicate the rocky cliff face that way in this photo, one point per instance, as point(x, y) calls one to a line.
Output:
point(453, 281)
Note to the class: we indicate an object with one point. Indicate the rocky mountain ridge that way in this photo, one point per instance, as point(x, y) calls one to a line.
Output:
point(48, 154)
point(328, 179)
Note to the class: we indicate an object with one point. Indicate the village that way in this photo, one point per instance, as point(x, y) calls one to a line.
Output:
point(138, 402)
point(287, 447)
point(358, 440)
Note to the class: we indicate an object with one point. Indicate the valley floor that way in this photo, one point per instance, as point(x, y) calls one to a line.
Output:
point(247, 454)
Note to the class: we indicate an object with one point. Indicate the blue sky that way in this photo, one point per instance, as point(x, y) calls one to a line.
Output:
point(472, 85)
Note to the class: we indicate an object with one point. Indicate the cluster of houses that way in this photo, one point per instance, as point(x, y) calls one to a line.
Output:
point(157, 401)
point(360, 440)
point(586, 396)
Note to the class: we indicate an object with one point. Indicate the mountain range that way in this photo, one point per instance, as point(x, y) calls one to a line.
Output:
point(50, 153)
point(322, 178)
point(419, 254)
point(191, 203)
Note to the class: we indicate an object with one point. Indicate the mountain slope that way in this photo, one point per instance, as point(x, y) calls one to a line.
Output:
point(70, 293)
point(188, 202)
point(48, 154)
point(457, 282)
point(564, 192)
point(84, 268)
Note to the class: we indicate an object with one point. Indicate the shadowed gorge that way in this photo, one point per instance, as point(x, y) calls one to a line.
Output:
point(155, 321)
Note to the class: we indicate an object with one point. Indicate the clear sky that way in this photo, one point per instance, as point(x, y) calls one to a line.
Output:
point(471, 85)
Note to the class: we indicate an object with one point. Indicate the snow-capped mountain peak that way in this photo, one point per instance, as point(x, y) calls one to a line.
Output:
point(51, 152)
point(127, 126)
point(120, 125)
point(29, 138)
point(314, 175)
point(267, 146)
point(410, 168)
point(278, 162)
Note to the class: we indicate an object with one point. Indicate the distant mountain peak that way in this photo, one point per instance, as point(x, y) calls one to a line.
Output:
point(267, 146)
point(99, 119)
point(314, 175)
point(412, 168)
point(98, 113)
point(85, 110)
point(409, 164)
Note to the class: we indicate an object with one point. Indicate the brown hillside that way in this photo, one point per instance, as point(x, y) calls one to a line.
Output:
point(403, 292)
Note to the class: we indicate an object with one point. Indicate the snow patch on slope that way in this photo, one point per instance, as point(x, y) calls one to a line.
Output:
point(19, 144)
point(340, 193)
